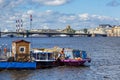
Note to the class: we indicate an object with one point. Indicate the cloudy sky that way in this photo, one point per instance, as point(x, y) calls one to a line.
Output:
point(57, 14)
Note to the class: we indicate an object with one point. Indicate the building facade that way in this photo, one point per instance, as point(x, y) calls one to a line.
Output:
point(114, 31)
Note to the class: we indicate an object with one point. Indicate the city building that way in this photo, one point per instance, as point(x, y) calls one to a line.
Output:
point(105, 25)
point(98, 30)
point(80, 31)
point(114, 31)
point(68, 29)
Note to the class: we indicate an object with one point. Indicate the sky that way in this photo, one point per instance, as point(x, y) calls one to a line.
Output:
point(57, 14)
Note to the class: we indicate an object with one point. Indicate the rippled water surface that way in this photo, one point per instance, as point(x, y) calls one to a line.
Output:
point(104, 51)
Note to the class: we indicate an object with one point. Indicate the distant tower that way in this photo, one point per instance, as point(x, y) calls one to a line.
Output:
point(30, 21)
point(19, 25)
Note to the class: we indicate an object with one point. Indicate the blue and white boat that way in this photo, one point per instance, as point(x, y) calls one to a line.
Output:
point(43, 59)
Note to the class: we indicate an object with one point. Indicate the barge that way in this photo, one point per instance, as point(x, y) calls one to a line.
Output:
point(17, 65)
point(17, 58)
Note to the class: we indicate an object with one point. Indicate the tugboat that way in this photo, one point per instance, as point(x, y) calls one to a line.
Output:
point(74, 57)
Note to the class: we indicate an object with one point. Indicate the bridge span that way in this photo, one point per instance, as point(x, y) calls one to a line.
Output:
point(48, 34)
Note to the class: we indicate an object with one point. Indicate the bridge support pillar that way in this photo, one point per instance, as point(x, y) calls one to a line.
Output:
point(0, 34)
point(71, 35)
point(49, 35)
point(27, 34)
point(89, 35)
point(24, 35)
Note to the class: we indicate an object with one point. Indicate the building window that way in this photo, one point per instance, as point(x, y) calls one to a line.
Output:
point(22, 49)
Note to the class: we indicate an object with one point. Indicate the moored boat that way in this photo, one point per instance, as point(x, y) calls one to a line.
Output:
point(43, 59)
point(74, 57)
point(21, 57)
point(18, 57)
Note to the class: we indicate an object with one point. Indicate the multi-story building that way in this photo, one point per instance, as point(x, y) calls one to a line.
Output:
point(68, 29)
point(114, 31)
point(97, 30)
point(80, 31)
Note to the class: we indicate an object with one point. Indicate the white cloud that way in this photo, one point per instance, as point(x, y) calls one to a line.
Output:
point(114, 3)
point(25, 16)
point(1, 1)
point(84, 16)
point(11, 11)
point(8, 4)
point(13, 4)
point(12, 18)
point(54, 20)
point(52, 2)
point(30, 12)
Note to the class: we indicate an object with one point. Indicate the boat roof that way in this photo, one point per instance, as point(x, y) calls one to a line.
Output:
point(38, 60)
point(41, 52)
point(17, 41)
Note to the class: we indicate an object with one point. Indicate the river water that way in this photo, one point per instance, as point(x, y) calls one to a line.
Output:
point(104, 52)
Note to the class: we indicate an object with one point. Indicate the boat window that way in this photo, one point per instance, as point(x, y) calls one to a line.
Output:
point(68, 54)
point(22, 49)
point(76, 53)
point(50, 56)
point(42, 56)
point(84, 54)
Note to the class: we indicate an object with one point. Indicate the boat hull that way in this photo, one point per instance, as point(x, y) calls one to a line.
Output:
point(17, 65)
point(45, 64)
point(73, 62)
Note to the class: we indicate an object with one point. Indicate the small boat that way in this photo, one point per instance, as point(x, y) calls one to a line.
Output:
point(74, 57)
point(43, 59)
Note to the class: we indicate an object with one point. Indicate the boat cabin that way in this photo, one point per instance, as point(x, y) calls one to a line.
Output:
point(74, 54)
point(21, 50)
point(39, 55)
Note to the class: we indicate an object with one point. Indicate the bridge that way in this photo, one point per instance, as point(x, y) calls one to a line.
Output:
point(48, 34)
